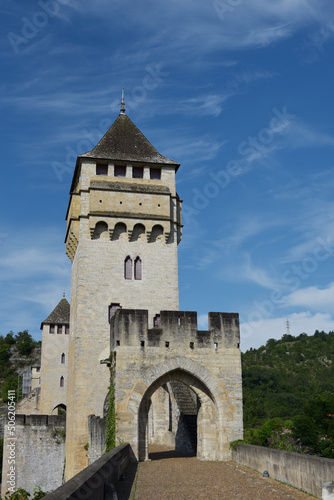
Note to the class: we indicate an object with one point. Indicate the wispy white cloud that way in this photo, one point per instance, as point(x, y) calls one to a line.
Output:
point(303, 135)
point(312, 297)
point(34, 271)
point(255, 24)
point(258, 275)
point(314, 224)
point(208, 104)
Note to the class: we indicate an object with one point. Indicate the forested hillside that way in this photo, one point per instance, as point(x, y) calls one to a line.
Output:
point(282, 376)
point(288, 391)
point(16, 352)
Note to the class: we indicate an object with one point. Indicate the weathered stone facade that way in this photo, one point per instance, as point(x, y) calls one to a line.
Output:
point(112, 219)
point(207, 361)
point(37, 453)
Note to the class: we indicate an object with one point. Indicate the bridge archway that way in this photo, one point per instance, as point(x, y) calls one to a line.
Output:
point(207, 417)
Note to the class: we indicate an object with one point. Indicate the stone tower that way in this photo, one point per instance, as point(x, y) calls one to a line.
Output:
point(54, 358)
point(123, 228)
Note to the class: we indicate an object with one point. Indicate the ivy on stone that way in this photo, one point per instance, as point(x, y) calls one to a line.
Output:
point(111, 418)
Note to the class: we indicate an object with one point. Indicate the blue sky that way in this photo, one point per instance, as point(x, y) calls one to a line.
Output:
point(240, 93)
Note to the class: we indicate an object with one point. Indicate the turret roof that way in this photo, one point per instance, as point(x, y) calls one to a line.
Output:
point(125, 142)
point(60, 314)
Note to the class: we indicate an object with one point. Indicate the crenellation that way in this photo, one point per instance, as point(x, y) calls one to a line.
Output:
point(177, 329)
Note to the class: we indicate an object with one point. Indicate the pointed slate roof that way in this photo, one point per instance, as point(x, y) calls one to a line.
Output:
point(60, 314)
point(125, 142)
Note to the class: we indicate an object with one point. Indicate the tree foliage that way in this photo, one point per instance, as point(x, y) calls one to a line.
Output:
point(282, 376)
point(292, 379)
point(15, 353)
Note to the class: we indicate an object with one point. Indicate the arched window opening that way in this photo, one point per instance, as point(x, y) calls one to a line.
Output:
point(157, 233)
point(62, 358)
point(138, 231)
point(61, 383)
point(138, 268)
point(101, 230)
point(119, 230)
point(128, 268)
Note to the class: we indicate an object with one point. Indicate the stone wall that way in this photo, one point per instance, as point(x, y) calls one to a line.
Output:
point(305, 472)
point(96, 438)
point(37, 453)
point(207, 362)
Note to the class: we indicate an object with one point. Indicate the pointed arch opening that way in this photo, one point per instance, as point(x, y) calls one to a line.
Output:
point(59, 409)
point(195, 415)
point(138, 268)
point(128, 268)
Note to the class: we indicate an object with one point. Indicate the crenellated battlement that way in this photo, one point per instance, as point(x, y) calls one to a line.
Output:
point(129, 327)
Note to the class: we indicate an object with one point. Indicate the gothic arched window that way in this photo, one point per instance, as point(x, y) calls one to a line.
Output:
point(128, 268)
point(61, 383)
point(138, 268)
point(62, 359)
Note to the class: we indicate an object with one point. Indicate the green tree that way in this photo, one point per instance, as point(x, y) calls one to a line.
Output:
point(24, 343)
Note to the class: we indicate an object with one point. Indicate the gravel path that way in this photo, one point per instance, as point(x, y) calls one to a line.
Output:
point(170, 476)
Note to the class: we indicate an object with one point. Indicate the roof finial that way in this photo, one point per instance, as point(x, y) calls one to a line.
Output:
point(64, 293)
point(122, 104)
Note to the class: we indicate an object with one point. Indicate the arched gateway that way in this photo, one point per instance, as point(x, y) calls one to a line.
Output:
point(150, 360)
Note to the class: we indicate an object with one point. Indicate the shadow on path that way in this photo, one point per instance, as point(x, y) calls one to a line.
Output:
point(161, 455)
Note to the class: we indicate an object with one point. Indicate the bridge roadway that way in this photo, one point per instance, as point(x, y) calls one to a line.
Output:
point(171, 476)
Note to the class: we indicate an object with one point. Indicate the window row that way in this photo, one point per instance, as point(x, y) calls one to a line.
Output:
point(120, 171)
point(133, 270)
point(60, 329)
point(102, 230)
